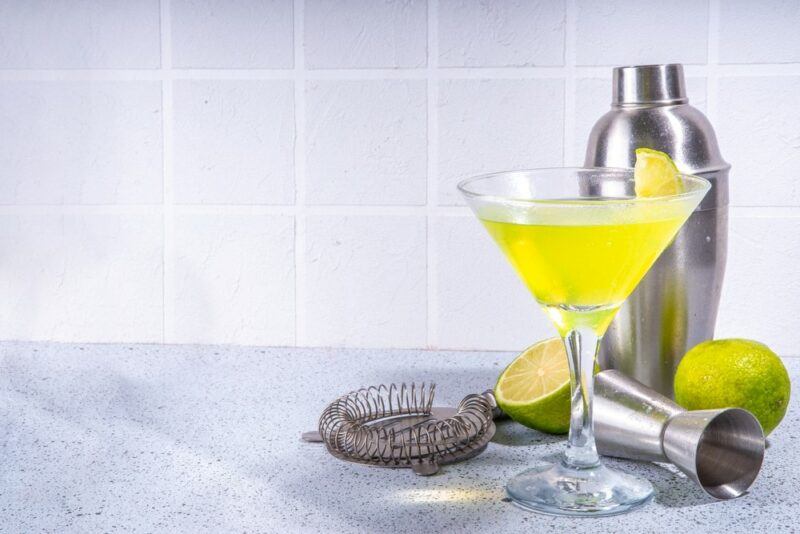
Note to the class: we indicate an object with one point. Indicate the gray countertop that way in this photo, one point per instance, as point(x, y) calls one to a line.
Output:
point(143, 438)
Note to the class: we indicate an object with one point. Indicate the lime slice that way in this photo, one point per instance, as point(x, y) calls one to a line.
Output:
point(534, 389)
point(655, 174)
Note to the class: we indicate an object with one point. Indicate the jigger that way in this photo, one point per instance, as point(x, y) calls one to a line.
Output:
point(721, 450)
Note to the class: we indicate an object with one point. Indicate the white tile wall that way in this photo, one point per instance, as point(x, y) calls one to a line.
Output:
point(487, 125)
point(232, 34)
point(343, 34)
point(761, 294)
point(77, 275)
point(626, 32)
point(365, 280)
point(759, 32)
point(282, 171)
point(760, 129)
point(366, 142)
point(502, 33)
point(231, 279)
point(91, 34)
point(233, 141)
point(78, 142)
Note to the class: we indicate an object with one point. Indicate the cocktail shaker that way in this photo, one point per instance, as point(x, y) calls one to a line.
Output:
point(721, 450)
point(675, 305)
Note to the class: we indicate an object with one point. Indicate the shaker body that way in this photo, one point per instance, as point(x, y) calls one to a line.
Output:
point(675, 305)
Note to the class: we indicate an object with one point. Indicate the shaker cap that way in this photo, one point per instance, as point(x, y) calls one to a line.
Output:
point(648, 85)
point(650, 108)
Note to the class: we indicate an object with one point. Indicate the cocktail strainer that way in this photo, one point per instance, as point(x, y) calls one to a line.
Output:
point(398, 426)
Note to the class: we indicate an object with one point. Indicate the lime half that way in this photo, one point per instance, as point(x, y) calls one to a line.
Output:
point(534, 389)
point(655, 174)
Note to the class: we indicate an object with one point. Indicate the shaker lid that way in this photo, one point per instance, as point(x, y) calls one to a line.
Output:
point(650, 109)
point(648, 84)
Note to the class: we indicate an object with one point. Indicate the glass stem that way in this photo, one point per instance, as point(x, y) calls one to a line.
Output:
point(582, 345)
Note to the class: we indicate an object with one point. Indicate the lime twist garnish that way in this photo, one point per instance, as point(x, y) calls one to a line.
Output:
point(656, 175)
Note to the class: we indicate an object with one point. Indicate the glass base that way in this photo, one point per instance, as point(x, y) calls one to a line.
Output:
point(591, 491)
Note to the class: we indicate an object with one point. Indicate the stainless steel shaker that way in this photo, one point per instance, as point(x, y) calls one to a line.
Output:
point(675, 305)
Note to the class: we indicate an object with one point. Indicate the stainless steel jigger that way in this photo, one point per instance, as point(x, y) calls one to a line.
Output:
point(721, 450)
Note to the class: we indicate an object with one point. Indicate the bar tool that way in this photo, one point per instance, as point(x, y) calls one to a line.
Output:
point(721, 450)
point(675, 305)
point(398, 426)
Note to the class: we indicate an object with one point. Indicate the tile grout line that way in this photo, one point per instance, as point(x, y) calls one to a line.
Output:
point(167, 219)
point(580, 71)
point(432, 290)
point(570, 96)
point(300, 334)
point(712, 77)
point(291, 211)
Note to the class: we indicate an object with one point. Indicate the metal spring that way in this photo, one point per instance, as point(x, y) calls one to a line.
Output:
point(346, 430)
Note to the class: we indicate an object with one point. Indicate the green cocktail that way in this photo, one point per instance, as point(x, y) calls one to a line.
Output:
point(581, 241)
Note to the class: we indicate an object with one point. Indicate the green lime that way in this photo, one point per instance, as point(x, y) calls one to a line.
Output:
point(534, 389)
point(734, 373)
point(655, 174)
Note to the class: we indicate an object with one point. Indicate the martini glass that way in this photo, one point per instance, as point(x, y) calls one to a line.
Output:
point(580, 240)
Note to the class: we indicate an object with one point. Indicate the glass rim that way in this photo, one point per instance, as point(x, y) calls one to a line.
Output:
point(703, 183)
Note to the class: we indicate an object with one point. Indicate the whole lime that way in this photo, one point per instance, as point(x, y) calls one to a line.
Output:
point(734, 373)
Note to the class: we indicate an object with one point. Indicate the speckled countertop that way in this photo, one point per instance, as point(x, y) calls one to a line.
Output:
point(145, 438)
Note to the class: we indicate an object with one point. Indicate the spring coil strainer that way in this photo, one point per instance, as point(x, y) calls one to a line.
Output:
point(398, 426)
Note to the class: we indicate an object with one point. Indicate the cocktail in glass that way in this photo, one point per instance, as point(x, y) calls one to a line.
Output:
point(581, 241)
